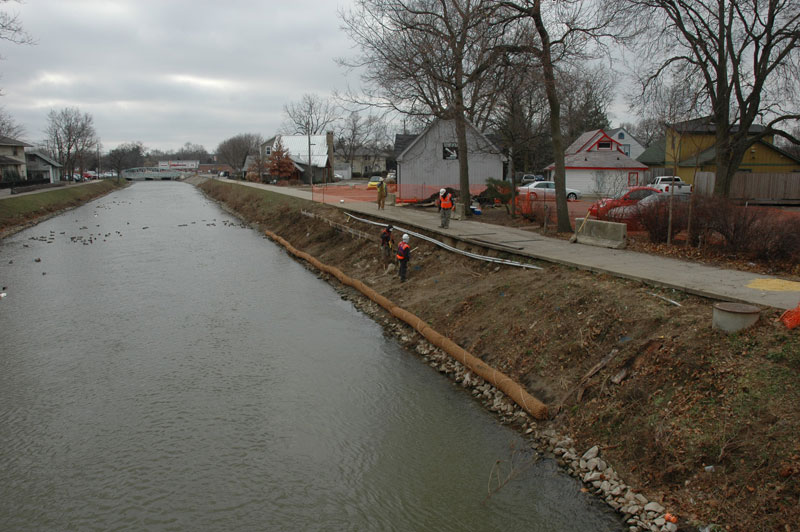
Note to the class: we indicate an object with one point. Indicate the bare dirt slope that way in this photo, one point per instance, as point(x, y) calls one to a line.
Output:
point(703, 421)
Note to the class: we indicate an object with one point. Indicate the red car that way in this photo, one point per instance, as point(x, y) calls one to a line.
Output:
point(631, 196)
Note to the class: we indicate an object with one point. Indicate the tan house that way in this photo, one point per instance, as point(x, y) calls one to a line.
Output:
point(688, 148)
point(12, 159)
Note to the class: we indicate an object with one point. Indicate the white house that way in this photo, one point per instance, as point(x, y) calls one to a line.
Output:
point(41, 166)
point(596, 164)
point(630, 146)
point(301, 148)
point(430, 161)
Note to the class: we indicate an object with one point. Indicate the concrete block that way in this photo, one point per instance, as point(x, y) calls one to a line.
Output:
point(458, 212)
point(601, 233)
point(391, 198)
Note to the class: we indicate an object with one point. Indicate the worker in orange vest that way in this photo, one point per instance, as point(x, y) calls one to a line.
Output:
point(403, 256)
point(445, 204)
point(387, 242)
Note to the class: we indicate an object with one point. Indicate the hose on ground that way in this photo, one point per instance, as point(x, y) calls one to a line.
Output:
point(469, 254)
point(499, 380)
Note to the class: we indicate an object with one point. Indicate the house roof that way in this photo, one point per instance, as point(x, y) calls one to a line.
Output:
point(401, 142)
point(5, 160)
point(586, 141)
point(706, 124)
point(399, 155)
point(608, 160)
point(655, 154)
point(613, 133)
point(709, 156)
point(578, 154)
point(43, 157)
point(8, 141)
point(297, 147)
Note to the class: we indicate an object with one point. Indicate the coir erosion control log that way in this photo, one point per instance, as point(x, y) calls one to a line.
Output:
point(498, 379)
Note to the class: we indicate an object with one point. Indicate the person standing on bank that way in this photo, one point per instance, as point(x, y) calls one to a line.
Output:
point(381, 194)
point(403, 256)
point(387, 242)
point(445, 204)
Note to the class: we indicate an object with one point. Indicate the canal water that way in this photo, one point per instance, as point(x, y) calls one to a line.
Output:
point(165, 368)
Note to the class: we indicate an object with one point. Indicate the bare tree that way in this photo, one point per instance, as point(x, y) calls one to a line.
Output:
point(128, 155)
point(740, 56)
point(555, 32)
point(428, 58)
point(69, 133)
point(11, 28)
point(234, 151)
point(10, 127)
point(585, 95)
point(355, 132)
point(310, 116)
point(647, 130)
point(193, 152)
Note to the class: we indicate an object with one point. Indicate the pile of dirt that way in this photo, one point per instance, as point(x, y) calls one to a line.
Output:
point(703, 421)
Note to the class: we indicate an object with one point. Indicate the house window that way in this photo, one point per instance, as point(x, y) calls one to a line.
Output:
point(621, 135)
point(449, 151)
point(16, 151)
point(633, 179)
point(626, 148)
point(268, 150)
point(604, 145)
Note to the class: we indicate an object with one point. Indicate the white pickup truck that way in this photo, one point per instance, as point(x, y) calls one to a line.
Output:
point(664, 183)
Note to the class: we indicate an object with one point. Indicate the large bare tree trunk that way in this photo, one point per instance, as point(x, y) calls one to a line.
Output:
point(463, 151)
point(562, 212)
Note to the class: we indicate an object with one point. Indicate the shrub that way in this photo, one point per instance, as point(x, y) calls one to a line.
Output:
point(776, 237)
point(736, 223)
point(655, 219)
point(496, 190)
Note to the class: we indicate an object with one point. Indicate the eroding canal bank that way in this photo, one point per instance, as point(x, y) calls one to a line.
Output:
point(178, 378)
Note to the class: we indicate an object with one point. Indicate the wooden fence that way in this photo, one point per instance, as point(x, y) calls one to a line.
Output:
point(766, 188)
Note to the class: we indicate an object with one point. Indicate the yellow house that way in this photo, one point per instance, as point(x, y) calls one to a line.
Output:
point(688, 148)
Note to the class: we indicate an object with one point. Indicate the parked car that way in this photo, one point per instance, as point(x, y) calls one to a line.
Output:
point(664, 183)
point(337, 177)
point(546, 190)
point(629, 196)
point(632, 215)
point(531, 178)
point(373, 181)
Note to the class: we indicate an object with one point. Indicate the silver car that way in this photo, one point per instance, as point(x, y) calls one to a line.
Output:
point(547, 190)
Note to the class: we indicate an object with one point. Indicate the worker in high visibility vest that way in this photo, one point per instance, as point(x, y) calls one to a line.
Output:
point(387, 242)
point(403, 256)
point(445, 204)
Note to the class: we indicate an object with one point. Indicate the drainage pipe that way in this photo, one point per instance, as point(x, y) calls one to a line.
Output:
point(471, 255)
point(499, 380)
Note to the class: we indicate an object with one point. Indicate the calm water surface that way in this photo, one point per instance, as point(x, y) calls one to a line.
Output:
point(164, 368)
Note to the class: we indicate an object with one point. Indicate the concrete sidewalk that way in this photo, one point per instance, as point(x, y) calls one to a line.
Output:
point(694, 278)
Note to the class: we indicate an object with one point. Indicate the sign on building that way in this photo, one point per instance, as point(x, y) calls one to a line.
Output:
point(179, 165)
point(450, 151)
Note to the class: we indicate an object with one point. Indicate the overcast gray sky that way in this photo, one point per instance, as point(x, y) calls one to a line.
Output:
point(167, 72)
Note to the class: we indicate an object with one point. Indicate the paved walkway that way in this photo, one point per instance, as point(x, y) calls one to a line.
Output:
point(694, 278)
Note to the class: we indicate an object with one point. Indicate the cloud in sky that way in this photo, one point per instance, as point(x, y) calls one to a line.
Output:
point(167, 72)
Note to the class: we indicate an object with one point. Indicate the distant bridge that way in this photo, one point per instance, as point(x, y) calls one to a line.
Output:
point(151, 173)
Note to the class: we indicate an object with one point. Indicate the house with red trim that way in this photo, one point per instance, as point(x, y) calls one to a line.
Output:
point(596, 164)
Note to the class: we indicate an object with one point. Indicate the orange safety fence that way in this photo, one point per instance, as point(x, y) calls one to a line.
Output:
point(499, 380)
point(360, 192)
point(791, 318)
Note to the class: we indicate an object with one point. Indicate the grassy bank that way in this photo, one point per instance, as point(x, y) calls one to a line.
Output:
point(16, 211)
point(704, 422)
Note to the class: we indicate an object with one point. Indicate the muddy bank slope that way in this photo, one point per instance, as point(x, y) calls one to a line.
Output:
point(701, 421)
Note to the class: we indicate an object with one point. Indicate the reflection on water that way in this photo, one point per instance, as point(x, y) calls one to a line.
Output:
point(164, 368)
